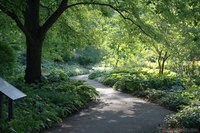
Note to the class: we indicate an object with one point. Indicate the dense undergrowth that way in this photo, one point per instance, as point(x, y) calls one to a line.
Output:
point(168, 90)
point(46, 103)
point(69, 69)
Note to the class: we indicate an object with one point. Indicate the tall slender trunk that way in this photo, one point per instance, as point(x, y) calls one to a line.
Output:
point(118, 56)
point(161, 62)
point(163, 66)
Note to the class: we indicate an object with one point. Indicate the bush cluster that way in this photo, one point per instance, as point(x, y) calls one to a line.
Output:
point(47, 103)
point(166, 90)
point(70, 70)
point(189, 117)
point(135, 80)
point(89, 56)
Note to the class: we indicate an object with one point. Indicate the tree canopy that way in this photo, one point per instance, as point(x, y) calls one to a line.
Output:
point(168, 25)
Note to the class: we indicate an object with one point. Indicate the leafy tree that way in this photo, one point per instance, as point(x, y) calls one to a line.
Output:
point(35, 24)
point(183, 17)
point(77, 34)
point(36, 17)
point(170, 32)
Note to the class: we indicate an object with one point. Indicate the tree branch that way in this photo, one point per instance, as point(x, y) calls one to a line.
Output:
point(63, 6)
point(49, 10)
point(16, 19)
point(114, 8)
point(52, 19)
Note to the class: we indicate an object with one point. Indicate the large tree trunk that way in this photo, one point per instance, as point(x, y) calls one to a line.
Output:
point(35, 32)
point(33, 61)
point(34, 42)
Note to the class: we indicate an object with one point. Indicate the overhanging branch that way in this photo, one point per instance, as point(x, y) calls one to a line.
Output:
point(64, 6)
point(16, 19)
point(49, 10)
point(114, 8)
point(53, 18)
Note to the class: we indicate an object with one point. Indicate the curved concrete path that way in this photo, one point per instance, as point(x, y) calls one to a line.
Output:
point(115, 112)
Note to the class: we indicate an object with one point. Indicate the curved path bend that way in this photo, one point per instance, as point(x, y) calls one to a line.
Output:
point(115, 112)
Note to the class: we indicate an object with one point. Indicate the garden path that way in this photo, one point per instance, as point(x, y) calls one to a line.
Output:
point(113, 112)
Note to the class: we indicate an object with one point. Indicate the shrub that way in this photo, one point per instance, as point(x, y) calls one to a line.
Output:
point(57, 75)
point(166, 90)
point(96, 74)
point(47, 103)
point(163, 82)
point(197, 80)
point(74, 70)
point(111, 79)
point(175, 100)
point(70, 70)
point(189, 117)
point(129, 84)
point(151, 94)
point(89, 56)
point(155, 95)
point(88, 92)
point(134, 80)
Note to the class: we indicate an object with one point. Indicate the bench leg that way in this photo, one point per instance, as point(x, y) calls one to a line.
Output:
point(1, 105)
point(10, 109)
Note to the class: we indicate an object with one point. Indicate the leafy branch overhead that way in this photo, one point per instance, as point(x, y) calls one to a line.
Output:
point(36, 17)
point(63, 7)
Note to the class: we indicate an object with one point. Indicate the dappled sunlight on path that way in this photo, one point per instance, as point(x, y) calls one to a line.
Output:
point(113, 112)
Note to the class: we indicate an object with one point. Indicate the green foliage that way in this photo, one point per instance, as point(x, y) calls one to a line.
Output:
point(88, 92)
point(97, 73)
point(111, 79)
point(47, 103)
point(76, 37)
point(131, 82)
point(189, 117)
point(175, 100)
point(165, 90)
point(57, 75)
point(7, 61)
point(69, 69)
point(196, 80)
point(152, 94)
point(136, 80)
point(89, 56)
point(160, 27)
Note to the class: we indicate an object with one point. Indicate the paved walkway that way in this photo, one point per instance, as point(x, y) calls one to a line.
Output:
point(115, 112)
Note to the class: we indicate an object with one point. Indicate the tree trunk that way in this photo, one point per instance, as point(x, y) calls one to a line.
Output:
point(160, 63)
point(35, 33)
point(34, 40)
point(162, 67)
point(118, 52)
point(33, 61)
